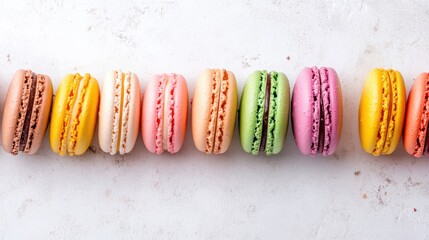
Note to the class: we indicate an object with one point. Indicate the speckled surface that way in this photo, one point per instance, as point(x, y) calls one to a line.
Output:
point(350, 195)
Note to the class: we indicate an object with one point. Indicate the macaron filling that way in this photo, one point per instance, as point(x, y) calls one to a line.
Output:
point(385, 108)
point(221, 113)
point(159, 115)
point(77, 113)
point(117, 105)
point(214, 104)
point(322, 113)
point(26, 127)
point(68, 114)
point(266, 113)
point(121, 104)
point(24, 116)
point(218, 103)
point(165, 114)
point(169, 113)
point(393, 110)
point(125, 112)
point(37, 105)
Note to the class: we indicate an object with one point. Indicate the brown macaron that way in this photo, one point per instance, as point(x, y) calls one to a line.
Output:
point(26, 112)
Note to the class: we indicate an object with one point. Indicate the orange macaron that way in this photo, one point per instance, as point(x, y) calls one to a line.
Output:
point(214, 108)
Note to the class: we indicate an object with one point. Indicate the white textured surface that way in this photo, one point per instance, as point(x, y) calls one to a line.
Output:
point(234, 196)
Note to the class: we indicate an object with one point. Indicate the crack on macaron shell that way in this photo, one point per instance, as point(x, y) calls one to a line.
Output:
point(69, 107)
point(125, 111)
point(259, 114)
point(221, 111)
point(393, 110)
point(116, 112)
point(76, 114)
point(25, 98)
point(214, 104)
point(316, 110)
point(37, 105)
point(326, 109)
point(272, 112)
point(423, 124)
point(386, 95)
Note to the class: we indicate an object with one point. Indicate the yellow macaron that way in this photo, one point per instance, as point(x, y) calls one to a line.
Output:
point(382, 111)
point(74, 114)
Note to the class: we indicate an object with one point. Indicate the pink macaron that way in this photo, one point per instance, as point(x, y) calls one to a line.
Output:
point(317, 111)
point(164, 113)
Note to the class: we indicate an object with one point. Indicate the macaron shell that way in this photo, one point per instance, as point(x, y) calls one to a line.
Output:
point(11, 110)
point(415, 106)
point(336, 110)
point(228, 113)
point(302, 111)
point(106, 112)
point(149, 114)
point(134, 114)
point(87, 117)
point(58, 112)
point(250, 127)
point(398, 119)
point(370, 109)
point(281, 118)
point(201, 107)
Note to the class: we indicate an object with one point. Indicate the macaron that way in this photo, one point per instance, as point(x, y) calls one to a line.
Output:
point(26, 112)
point(119, 113)
point(74, 114)
point(164, 113)
point(416, 138)
point(214, 108)
point(381, 111)
point(317, 111)
point(264, 112)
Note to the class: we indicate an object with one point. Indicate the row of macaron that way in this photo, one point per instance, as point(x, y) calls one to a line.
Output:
point(160, 112)
point(122, 109)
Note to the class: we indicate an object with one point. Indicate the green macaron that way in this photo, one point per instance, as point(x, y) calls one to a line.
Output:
point(264, 112)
